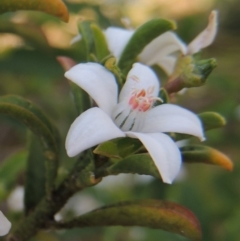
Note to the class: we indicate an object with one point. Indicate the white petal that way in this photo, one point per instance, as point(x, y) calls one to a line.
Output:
point(139, 77)
point(117, 39)
point(163, 151)
point(172, 118)
point(163, 45)
point(206, 37)
point(168, 64)
point(5, 225)
point(121, 117)
point(91, 128)
point(98, 82)
point(76, 39)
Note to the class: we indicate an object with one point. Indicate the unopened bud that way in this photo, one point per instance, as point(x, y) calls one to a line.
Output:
point(194, 73)
point(189, 73)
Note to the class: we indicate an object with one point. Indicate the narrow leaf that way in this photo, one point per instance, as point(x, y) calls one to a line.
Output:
point(10, 168)
point(100, 43)
point(29, 106)
point(207, 155)
point(141, 37)
point(87, 38)
point(40, 129)
point(164, 96)
point(139, 163)
point(212, 120)
point(157, 214)
point(81, 98)
point(54, 7)
point(35, 175)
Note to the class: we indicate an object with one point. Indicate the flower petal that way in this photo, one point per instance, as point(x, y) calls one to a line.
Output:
point(163, 151)
point(172, 118)
point(98, 82)
point(117, 39)
point(168, 64)
point(206, 37)
point(139, 77)
point(91, 128)
point(76, 39)
point(5, 225)
point(161, 47)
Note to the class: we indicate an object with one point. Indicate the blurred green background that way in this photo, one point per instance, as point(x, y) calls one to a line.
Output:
point(29, 45)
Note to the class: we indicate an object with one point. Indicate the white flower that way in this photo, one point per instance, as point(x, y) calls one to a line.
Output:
point(5, 225)
point(131, 114)
point(164, 49)
point(15, 199)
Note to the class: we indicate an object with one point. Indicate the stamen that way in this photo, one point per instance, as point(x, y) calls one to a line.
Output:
point(142, 100)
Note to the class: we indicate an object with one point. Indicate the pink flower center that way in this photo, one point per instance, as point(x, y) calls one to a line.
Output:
point(142, 100)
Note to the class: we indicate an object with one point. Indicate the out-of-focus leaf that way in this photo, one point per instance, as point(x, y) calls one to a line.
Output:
point(212, 120)
point(35, 175)
point(54, 7)
point(29, 106)
point(9, 170)
point(157, 214)
point(139, 163)
point(100, 43)
point(30, 33)
point(40, 128)
point(141, 37)
point(87, 38)
point(81, 98)
point(205, 154)
point(118, 148)
point(28, 64)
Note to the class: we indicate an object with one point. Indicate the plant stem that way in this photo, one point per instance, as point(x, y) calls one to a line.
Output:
point(48, 207)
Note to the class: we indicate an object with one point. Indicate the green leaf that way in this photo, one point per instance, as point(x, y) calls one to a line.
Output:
point(29, 106)
point(36, 122)
point(35, 175)
point(9, 171)
point(111, 64)
point(205, 154)
point(164, 95)
point(139, 163)
point(157, 214)
point(141, 37)
point(101, 47)
point(81, 98)
point(87, 38)
point(211, 120)
point(54, 7)
point(118, 148)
